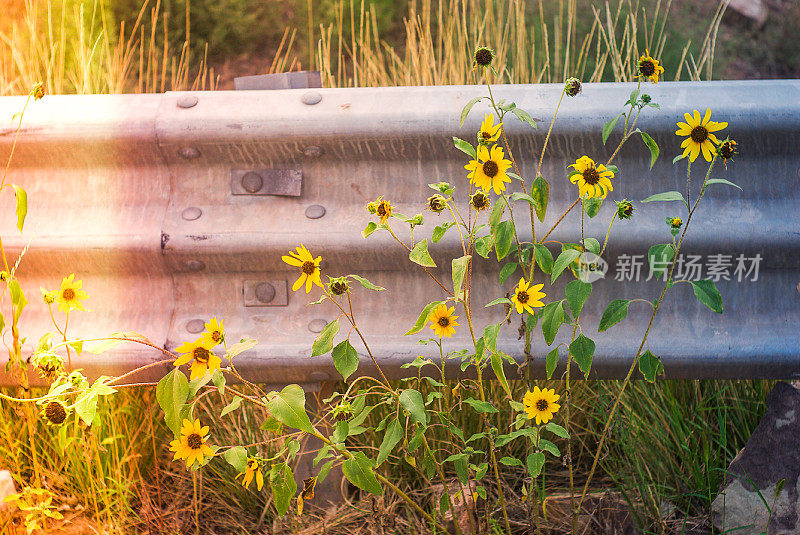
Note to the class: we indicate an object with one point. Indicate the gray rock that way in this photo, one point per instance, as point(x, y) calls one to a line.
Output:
point(772, 454)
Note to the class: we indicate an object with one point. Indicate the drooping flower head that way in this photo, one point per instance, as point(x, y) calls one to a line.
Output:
point(525, 297)
point(625, 209)
point(649, 67)
point(727, 150)
point(541, 404)
point(253, 471)
point(70, 295)
point(309, 267)
point(54, 413)
point(338, 286)
point(191, 445)
point(700, 137)
point(306, 494)
point(572, 87)
point(488, 171)
point(443, 322)
point(199, 353)
point(489, 132)
point(436, 203)
point(479, 201)
point(593, 180)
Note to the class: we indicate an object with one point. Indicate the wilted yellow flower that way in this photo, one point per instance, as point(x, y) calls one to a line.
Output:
point(443, 322)
point(488, 171)
point(54, 413)
point(526, 297)
point(700, 135)
point(253, 470)
point(309, 266)
point(592, 179)
point(200, 352)
point(306, 494)
point(649, 67)
point(191, 445)
point(541, 404)
point(69, 296)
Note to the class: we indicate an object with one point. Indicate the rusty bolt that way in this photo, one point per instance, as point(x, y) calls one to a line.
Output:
point(195, 265)
point(195, 326)
point(265, 292)
point(189, 153)
point(252, 182)
point(315, 211)
point(191, 213)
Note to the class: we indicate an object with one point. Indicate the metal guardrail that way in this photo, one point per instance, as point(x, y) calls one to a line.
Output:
point(177, 207)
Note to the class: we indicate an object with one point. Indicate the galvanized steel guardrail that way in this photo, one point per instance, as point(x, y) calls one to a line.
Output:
point(176, 207)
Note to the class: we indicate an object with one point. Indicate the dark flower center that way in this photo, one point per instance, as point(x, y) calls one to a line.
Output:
point(55, 412)
point(483, 57)
point(382, 209)
point(522, 296)
point(542, 405)
point(68, 294)
point(444, 321)
point(216, 336)
point(646, 67)
point(699, 134)
point(479, 201)
point(201, 354)
point(727, 149)
point(338, 288)
point(486, 135)
point(252, 465)
point(309, 267)
point(194, 441)
point(591, 176)
point(490, 169)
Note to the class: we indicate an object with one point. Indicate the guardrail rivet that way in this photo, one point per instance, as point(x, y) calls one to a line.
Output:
point(265, 292)
point(195, 326)
point(311, 98)
point(315, 211)
point(187, 101)
point(252, 182)
point(191, 213)
point(318, 376)
point(317, 325)
point(195, 265)
point(189, 153)
point(313, 151)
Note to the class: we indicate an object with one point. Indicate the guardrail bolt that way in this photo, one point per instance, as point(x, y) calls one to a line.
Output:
point(265, 292)
point(191, 213)
point(195, 326)
point(317, 325)
point(313, 151)
point(189, 153)
point(318, 376)
point(311, 97)
point(252, 182)
point(195, 265)
point(187, 101)
point(315, 211)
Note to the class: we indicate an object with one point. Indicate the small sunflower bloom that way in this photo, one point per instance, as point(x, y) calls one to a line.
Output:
point(443, 322)
point(483, 56)
point(309, 266)
point(649, 67)
point(48, 364)
point(338, 286)
point(479, 201)
point(488, 171)
point(38, 91)
point(253, 471)
point(191, 445)
point(343, 411)
point(727, 150)
point(70, 295)
point(4, 276)
point(541, 404)
point(214, 332)
point(593, 180)
point(675, 222)
point(700, 137)
point(489, 132)
point(526, 297)
point(625, 209)
point(200, 353)
point(54, 413)
point(436, 203)
point(572, 87)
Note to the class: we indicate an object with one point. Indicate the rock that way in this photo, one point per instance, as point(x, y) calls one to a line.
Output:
point(772, 454)
point(752, 9)
point(6, 488)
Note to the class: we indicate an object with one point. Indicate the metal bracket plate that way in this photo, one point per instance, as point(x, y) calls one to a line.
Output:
point(285, 182)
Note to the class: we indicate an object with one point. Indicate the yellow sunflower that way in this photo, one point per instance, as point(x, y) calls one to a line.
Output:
point(700, 135)
point(592, 179)
point(489, 131)
point(192, 443)
point(69, 296)
point(489, 170)
point(214, 332)
point(442, 321)
point(526, 297)
point(308, 265)
point(649, 67)
point(541, 404)
point(200, 352)
point(54, 413)
point(253, 470)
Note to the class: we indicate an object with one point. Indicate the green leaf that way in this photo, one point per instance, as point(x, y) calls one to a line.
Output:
point(219, 381)
point(465, 111)
point(678, 158)
point(706, 292)
point(17, 298)
point(524, 116)
point(324, 340)
point(393, 434)
point(503, 238)
point(498, 301)
point(592, 205)
point(652, 145)
point(517, 196)
point(22, 205)
point(358, 470)
point(510, 461)
point(577, 293)
point(490, 333)
point(371, 227)
point(483, 246)
point(459, 266)
point(557, 430)
point(464, 147)
point(232, 406)
point(615, 312)
point(289, 408)
point(544, 258)
point(480, 406)
point(566, 257)
point(506, 271)
point(659, 257)
point(650, 366)
point(551, 362)
point(540, 192)
point(345, 358)
point(552, 318)
point(236, 457)
point(549, 447)
point(608, 127)
point(412, 401)
point(240, 347)
point(721, 181)
point(497, 211)
point(666, 196)
point(172, 392)
point(86, 408)
point(281, 481)
point(439, 231)
point(367, 284)
point(419, 255)
point(582, 350)
point(535, 463)
point(497, 367)
point(423, 317)
point(592, 245)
